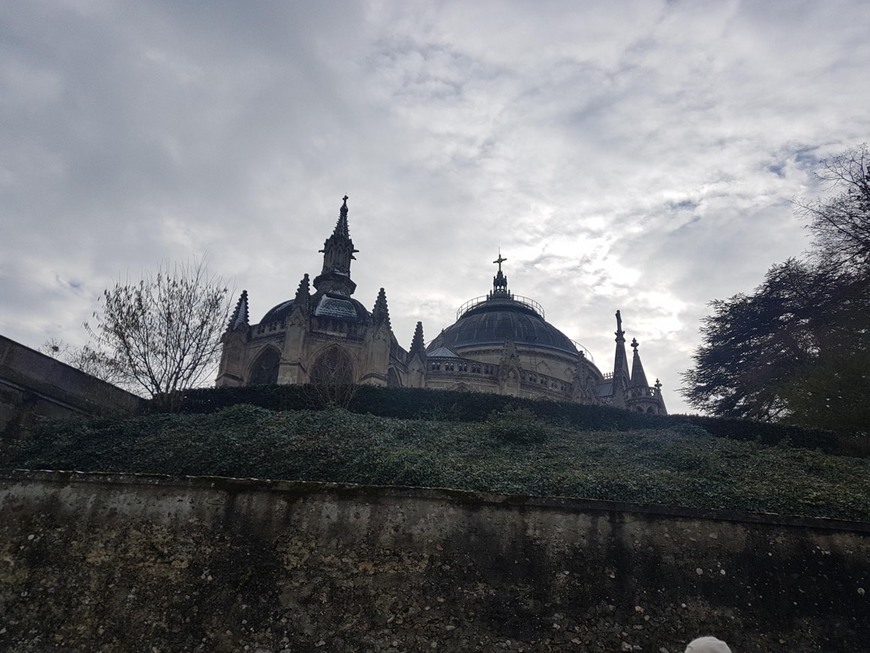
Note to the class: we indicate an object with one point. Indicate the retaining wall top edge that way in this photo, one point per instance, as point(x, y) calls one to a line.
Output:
point(567, 504)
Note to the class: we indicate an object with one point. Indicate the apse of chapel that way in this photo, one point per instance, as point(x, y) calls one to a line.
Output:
point(499, 343)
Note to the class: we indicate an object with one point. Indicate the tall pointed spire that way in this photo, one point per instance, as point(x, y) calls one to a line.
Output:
point(338, 251)
point(417, 344)
point(638, 376)
point(620, 361)
point(239, 319)
point(381, 312)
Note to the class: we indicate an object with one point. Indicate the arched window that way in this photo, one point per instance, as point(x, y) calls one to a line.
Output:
point(332, 367)
point(265, 368)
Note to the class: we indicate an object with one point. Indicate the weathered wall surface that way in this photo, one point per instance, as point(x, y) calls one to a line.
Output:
point(34, 385)
point(136, 563)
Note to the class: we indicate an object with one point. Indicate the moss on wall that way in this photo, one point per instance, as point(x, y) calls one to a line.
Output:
point(125, 562)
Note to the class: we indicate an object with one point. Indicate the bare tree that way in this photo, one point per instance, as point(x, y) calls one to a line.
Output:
point(840, 223)
point(162, 335)
point(332, 379)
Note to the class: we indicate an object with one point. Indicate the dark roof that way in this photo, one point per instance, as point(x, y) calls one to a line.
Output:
point(494, 322)
point(331, 305)
point(342, 308)
point(441, 352)
point(278, 312)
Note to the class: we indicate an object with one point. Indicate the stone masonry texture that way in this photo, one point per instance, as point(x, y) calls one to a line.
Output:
point(102, 562)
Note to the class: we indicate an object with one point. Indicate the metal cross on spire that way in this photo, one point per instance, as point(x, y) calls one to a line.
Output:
point(501, 259)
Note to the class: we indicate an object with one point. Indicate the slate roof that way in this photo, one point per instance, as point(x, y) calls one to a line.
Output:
point(498, 321)
point(340, 308)
point(441, 352)
point(333, 306)
point(278, 312)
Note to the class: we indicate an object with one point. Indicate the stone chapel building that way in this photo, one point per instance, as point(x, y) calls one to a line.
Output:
point(499, 343)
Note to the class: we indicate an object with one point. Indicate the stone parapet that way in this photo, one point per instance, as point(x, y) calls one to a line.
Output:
point(33, 385)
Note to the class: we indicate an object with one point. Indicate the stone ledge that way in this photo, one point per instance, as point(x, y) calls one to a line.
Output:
point(232, 485)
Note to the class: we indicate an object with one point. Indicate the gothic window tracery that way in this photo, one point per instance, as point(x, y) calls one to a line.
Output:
point(332, 367)
point(265, 368)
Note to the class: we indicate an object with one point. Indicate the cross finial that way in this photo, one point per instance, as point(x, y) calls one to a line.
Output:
point(501, 259)
point(345, 198)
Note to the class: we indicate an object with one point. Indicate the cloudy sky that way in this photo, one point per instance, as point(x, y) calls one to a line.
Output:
point(634, 155)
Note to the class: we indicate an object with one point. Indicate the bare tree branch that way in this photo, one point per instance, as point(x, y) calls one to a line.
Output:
point(840, 224)
point(163, 333)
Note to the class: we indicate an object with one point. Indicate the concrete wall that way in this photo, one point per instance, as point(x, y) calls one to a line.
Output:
point(135, 563)
point(33, 385)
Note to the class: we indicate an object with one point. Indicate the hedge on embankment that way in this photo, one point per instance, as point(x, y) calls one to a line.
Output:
point(512, 452)
point(444, 405)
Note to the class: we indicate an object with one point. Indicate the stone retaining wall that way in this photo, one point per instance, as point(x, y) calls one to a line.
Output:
point(100, 562)
point(34, 386)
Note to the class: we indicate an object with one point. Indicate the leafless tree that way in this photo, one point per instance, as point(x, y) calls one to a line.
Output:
point(840, 223)
point(162, 334)
point(332, 379)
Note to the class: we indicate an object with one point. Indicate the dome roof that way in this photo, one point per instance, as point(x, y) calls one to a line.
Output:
point(332, 305)
point(497, 319)
point(279, 312)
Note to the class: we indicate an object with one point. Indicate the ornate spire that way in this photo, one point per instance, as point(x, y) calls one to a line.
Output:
point(620, 361)
point(338, 251)
point(381, 312)
point(341, 228)
point(302, 295)
point(417, 344)
point(239, 319)
point(499, 281)
point(638, 376)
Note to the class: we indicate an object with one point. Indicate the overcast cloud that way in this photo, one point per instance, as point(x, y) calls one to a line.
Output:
point(640, 156)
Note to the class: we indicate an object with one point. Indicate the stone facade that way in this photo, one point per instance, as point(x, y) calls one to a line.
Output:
point(114, 562)
point(500, 343)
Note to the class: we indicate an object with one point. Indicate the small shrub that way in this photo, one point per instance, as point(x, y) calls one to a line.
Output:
point(690, 430)
point(517, 426)
point(854, 445)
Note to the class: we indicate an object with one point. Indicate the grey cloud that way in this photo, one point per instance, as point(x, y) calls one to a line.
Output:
point(640, 156)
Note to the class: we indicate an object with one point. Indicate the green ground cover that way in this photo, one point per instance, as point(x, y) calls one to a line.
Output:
point(512, 452)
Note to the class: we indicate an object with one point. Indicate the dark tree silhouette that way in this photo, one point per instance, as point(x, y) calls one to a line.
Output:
point(797, 349)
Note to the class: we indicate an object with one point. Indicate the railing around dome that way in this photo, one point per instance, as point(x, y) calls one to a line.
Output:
point(586, 352)
point(477, 301)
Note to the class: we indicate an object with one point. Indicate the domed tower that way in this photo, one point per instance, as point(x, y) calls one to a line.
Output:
point(325, 336)
point(502, 343)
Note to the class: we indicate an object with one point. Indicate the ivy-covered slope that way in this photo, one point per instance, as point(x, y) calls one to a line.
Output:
point(513, 451)
point(415, 403)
